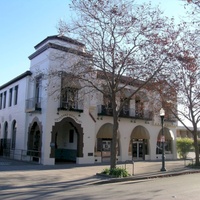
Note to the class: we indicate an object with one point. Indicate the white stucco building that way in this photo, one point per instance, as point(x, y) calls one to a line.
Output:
point(37, 124)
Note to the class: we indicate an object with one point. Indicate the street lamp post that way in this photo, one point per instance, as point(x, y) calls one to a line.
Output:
point(162, 115)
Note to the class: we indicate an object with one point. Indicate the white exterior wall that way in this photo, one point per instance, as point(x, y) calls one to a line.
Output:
point(16, 112)
point(125, 129)
point(88, 119)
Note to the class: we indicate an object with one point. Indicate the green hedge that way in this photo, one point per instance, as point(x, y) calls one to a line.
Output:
point(184, 146)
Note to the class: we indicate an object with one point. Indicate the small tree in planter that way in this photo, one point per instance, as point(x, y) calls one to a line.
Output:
point(116, 172)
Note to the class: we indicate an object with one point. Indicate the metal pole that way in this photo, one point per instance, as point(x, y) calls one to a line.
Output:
point(163, 146)
point(133, 169)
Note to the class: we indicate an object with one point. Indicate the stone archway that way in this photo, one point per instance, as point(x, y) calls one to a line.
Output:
point(66, 128)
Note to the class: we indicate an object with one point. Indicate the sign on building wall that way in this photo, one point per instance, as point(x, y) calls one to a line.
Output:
point(106, 144)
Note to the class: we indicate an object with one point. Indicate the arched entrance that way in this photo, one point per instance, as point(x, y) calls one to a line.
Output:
point(168, 139)
point(14, 131)
point(139, 143)
point(5, 142)
point(1, 143)
point(66, 141)
point(103, 142)
point(34, 141)
point(5, 136)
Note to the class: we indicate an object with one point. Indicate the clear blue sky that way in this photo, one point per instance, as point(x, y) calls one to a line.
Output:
point(24, 23)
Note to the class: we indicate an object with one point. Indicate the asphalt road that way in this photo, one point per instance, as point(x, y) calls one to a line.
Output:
point(182, 187)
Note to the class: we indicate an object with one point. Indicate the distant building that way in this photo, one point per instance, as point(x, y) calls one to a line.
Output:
point(182, 132)
point(36, 125)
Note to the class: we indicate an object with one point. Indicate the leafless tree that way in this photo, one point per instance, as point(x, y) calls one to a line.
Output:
point(129, 44)
point(193, 11)
point(185, 82)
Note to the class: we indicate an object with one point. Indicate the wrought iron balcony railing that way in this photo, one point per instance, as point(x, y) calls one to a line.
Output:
point(126, 113)
point(71, 106)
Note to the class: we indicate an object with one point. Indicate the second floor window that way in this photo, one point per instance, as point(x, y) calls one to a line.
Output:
point(38, 89)
point(107, 101)
point(70, 98)
point(107, 105)
point(16, 95)
point(10, 96)
point(126, 106)
point(139, 107)
point(1, 101)
point(4, 100)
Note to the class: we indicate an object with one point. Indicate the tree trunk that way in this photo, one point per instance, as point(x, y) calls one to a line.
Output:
point(113, 161)
point(196, 147)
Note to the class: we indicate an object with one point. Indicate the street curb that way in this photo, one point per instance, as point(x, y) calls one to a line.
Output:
point(144, 177)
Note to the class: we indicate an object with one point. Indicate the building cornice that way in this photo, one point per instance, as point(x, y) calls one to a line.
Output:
point(58, 47)
point(61, 38)
point(21, 76)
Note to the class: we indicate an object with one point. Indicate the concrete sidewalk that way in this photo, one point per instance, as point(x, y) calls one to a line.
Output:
point(73, 175)
point(148, 170)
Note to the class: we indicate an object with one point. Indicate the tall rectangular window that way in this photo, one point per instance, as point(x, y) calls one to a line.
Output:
point(1, 101)
point(4, 99)
point(10, 96)
point(38, 91)
point(16, 95)
point(69, 98)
